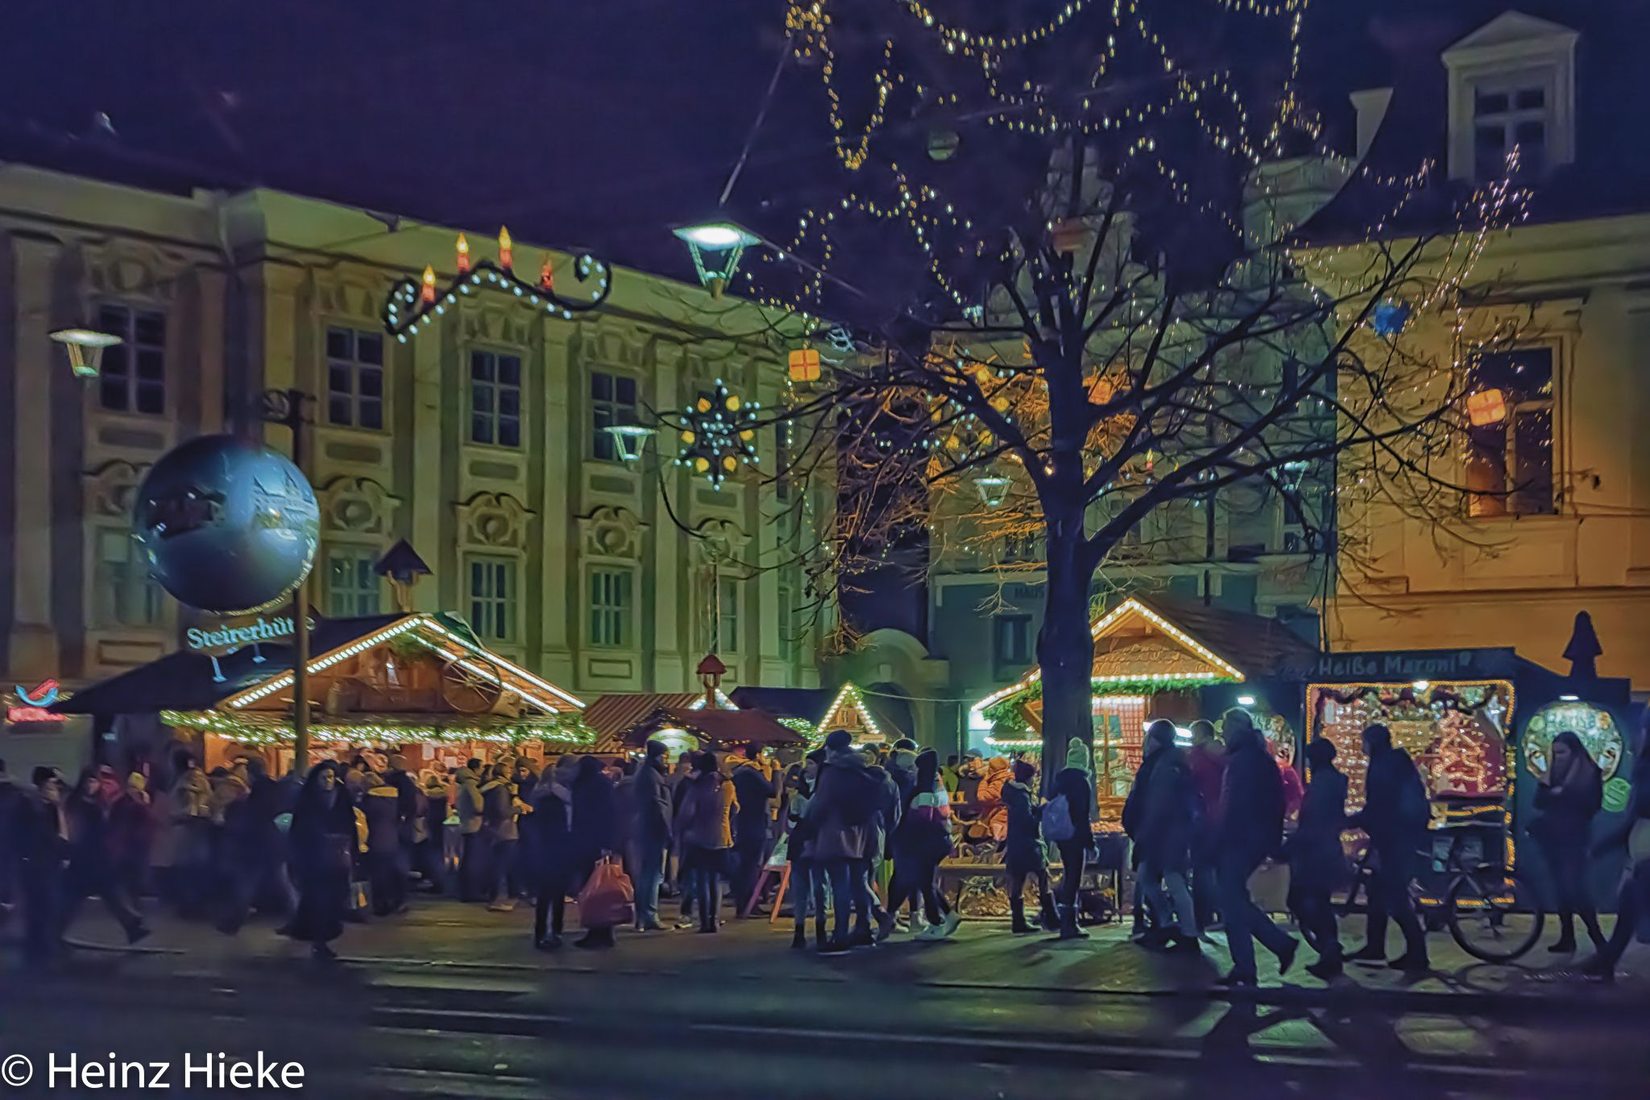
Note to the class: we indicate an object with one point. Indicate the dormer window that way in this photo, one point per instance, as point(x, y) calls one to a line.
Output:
point(1507, 115)
point(1511, 86)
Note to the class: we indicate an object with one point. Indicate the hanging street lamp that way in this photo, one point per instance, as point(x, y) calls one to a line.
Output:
point(993, 490)
point(629, 439)
point(716, 247)
point(85, 347)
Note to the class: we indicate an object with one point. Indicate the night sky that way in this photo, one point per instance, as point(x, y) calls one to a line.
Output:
point(577, 122)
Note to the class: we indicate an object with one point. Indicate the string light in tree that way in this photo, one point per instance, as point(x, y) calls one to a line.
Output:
point(718, 434)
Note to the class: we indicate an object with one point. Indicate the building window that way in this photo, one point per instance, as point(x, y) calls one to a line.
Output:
point(492, 598)
point(1010, 643)
point(495, 399)
point(355, 379)
point(126, 596)
point(1507, 114)
point(352, 585)
point(610, 608)
point(612, 403)
point(724, 626)
point(1510, 460)
point(133, 375)
point(782, 459)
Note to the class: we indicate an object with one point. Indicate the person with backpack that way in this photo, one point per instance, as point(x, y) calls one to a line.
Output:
point(1158, 817)
point(1250, 832)
point(839, 817)
point(1569, 796)
point(1067, 824)
point(1395, 815)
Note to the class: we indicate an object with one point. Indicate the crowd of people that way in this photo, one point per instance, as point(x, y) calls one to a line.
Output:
point(862, 832)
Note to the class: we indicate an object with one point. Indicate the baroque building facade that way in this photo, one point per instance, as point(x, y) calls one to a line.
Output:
point(480, 441)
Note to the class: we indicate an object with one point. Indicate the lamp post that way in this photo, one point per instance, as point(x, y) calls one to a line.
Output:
point(286, 408)
point(85, 347)
point(716, 247)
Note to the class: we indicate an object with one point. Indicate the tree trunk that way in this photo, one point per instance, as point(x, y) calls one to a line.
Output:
point(1065, 649)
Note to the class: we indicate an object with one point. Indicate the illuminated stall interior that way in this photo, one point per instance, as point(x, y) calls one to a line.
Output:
point(1152, 657)
point(610, 716)
point(419, 684)
point(1456, 731)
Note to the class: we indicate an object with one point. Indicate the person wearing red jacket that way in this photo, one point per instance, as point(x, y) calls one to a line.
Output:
point(1206, 760)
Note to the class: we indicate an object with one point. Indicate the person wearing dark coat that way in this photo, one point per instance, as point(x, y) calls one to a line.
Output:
point(1395, 816)
point(551, 827)
point(755, 793)
point(253, 848)
point(1250, 832)
point(381, 806)
point(1317, 862)
point(131, 836)
point(1023, 854)
point(595, 831)
point(1159, 817)
point(1569, 797)
point(41, 836)
point(651, 812)
point(498, 816)
point(1630, 835)
point(322, 844)
point(921, 840)
point(704, 825)
point(839, 819)
point(1075, 784)
point(85, 814)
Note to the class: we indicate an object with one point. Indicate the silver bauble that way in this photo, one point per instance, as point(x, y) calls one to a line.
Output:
point(226, 524)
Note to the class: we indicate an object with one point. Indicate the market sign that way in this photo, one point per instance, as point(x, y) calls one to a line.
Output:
point(227, 637)
point(1416, 664)
point(30, 708)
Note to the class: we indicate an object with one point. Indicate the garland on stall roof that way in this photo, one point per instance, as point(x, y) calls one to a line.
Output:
point(1466, 699)
point(1008, 710)
point(814, 734)
point(569, 729)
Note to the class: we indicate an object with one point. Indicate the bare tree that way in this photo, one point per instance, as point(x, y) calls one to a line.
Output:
point(1066, 243)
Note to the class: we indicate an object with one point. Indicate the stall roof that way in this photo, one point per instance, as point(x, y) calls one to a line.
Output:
point(1183, 640)
point(808, 704)
point(723, 728)
point(188, 681)
point(613, 714)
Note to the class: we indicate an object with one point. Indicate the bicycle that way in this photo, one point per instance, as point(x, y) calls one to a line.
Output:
point(1494, 912)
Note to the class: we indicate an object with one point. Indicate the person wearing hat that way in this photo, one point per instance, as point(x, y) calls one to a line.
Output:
point(1317, 862)
point(1075, 784)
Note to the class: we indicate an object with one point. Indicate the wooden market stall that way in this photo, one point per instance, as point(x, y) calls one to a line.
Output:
point(1160, 658)
point(872, 719)
point(419, 684)
point(610, 716)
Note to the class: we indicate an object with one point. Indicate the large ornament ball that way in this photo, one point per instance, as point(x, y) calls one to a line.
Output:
point(227, 525)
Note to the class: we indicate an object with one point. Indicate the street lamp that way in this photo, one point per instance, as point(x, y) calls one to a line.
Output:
point(629, 439)
point(993, 490)
point(716, 247)
point(85, 347)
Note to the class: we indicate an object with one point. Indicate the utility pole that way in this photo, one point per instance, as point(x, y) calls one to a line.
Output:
point(286, 407)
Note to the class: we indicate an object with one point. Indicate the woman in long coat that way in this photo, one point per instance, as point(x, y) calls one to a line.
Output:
point(323, 844)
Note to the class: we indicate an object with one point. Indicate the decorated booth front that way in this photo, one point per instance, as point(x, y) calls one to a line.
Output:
point(420, 684)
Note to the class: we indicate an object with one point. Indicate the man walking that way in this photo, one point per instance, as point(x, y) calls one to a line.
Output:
point(1251, 831)
point(650, 810)
point(1395, 814)
point(839, 816)
point(1208, 767)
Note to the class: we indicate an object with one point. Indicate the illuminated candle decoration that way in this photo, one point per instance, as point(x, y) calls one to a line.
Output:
point(547, 276)
point(1487, 407)
point(426, 290)
point(463, 255)
point(506, 251)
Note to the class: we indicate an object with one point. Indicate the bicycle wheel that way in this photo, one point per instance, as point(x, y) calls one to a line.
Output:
point(1495, 915)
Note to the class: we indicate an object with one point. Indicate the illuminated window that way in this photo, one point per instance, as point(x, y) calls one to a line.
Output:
point(133, 375)
point(352, 586)
point(492, 597)
point(125, 594)
point(495, 399)
point(610, 608)
point(355, 379)
point(612, 403)
point(1510, 461)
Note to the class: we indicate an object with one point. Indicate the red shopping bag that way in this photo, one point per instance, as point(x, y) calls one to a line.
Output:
point(607, 899)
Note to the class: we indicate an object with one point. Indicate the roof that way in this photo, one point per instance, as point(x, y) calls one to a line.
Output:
point(1183, 641)
point(809, 704)
point(192, 681)
point(613, 714)
point(721, 728)
point(189, 681)
point(1611, 171)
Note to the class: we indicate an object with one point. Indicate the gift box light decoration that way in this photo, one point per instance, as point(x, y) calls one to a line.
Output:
point(804, 365)
point(1486, 407)
point(413, 304)
point(718, 434)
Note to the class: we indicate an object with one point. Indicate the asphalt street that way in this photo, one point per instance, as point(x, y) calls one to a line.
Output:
point(452, 1001)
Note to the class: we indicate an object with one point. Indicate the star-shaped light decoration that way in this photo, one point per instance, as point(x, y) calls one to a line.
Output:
point(718, 434)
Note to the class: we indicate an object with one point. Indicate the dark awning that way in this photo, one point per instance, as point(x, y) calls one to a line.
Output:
point(723, 729)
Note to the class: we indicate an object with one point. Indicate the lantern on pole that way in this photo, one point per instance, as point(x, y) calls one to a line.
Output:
point(716, 248)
